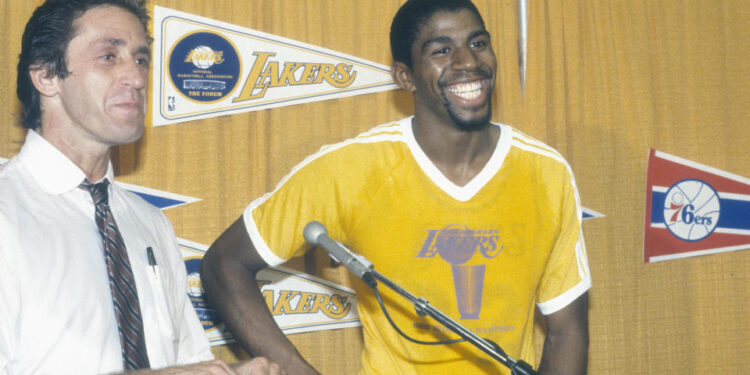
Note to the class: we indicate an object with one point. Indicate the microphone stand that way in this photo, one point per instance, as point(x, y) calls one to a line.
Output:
point(423, 307)
point(315, 233)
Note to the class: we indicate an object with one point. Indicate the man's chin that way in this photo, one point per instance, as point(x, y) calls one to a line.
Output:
point(129, 133)
point(472, 123)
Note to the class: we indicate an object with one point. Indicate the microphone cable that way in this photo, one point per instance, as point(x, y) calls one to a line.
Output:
point(516, 368)
point(393, 324)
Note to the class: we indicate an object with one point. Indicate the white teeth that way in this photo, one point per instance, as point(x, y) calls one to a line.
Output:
point(467, 91)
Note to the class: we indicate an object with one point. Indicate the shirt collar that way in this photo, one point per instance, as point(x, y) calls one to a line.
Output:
point(50, 168)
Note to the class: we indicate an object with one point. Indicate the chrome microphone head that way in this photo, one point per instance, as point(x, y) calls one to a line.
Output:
point(312, 231)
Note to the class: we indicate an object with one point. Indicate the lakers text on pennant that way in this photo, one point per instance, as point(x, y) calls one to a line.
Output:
point(298, 302)
point(207, 68)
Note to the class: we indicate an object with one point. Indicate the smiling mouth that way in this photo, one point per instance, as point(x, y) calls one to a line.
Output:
point(467, 91)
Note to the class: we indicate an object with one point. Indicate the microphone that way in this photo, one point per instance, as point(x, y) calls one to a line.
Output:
point(316, 234)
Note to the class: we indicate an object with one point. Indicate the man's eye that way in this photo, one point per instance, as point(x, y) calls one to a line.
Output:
point(108, 57)
point(441, 51)
point(142, 61)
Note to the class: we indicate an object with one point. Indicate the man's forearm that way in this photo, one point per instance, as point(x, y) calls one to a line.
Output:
point(564, 355)
point(228, 277)
point(253, 325)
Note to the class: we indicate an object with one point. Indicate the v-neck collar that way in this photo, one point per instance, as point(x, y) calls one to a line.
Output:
point(468, 191)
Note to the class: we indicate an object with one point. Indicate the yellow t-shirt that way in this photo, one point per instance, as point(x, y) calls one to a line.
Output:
point(485, 253)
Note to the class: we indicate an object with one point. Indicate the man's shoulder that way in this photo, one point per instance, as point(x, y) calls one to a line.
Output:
point(356, 161)
point(8, 167)
point(19, 197)
point(531, 148)
point(12, 181)
point(378, 144)
point(380, 135)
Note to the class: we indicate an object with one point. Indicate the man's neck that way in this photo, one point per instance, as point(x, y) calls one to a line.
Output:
point(93, 161)
point(460, 155)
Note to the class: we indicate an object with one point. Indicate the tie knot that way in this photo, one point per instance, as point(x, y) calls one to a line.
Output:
point(98, 191)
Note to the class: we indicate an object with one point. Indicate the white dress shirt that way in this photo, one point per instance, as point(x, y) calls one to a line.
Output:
point(56, 314)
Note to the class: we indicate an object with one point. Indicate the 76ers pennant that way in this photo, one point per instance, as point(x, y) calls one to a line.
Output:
point(693, 209)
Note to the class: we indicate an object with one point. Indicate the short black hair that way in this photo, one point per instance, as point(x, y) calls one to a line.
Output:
point(412, 15)
point(45, 43)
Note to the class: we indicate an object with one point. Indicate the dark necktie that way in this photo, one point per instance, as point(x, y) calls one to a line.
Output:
point(121, 281)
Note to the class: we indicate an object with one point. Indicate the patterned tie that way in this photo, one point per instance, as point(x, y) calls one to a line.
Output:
point(121, 281)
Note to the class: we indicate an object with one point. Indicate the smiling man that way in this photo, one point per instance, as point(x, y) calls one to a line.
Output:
point(78, 290)
point(475, 216)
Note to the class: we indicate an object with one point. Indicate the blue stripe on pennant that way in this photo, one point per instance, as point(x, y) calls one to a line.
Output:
point(733, 212)
point(657, 207)
point(157, 201)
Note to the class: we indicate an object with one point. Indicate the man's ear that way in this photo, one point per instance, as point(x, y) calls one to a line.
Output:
point(402, 75)
point(43, 80)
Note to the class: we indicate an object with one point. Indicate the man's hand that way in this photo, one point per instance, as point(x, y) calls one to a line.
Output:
point(258, 366)
point(255, 366)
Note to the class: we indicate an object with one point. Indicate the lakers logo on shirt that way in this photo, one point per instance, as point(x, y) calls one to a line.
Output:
point(457, 244)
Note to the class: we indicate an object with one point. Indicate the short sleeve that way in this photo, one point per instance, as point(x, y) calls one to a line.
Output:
point(315, 190)
point(566, 275)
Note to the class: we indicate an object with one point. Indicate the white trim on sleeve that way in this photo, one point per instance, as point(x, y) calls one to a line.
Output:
point(558, 303)
point(260, 244)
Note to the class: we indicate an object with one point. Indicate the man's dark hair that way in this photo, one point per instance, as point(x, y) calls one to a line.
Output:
point(412, 15)
point(45, 43)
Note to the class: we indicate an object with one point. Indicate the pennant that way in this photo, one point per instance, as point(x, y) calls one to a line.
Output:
point(192, 254)
point(158, 198)
point(298, 302)
point(590, 214)
point(207, 68)
point(693, 209)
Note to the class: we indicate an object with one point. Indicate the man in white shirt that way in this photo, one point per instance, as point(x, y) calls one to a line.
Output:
point(82, 80)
